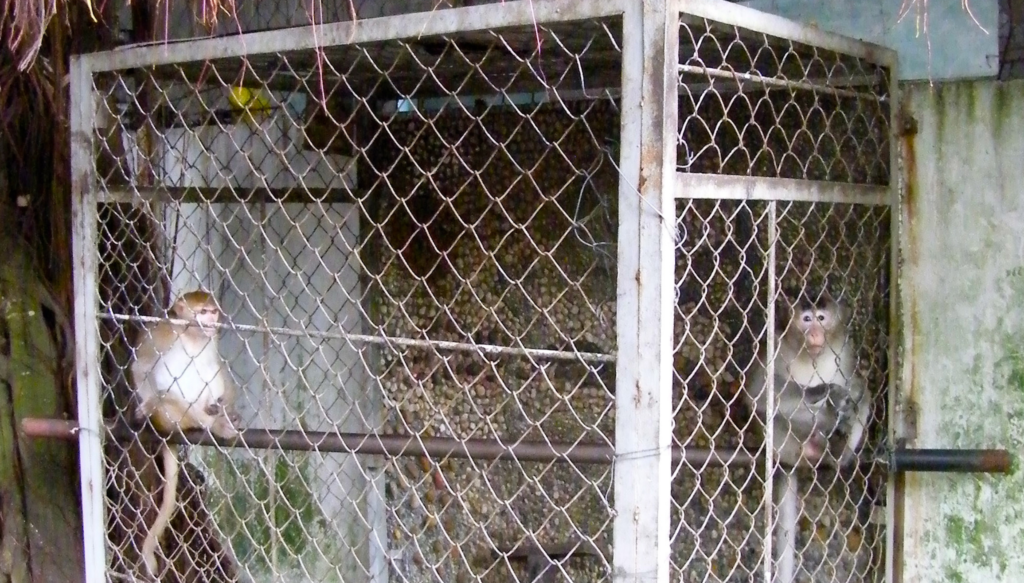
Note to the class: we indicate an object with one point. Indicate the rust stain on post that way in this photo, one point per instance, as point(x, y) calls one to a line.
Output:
point(908, 128)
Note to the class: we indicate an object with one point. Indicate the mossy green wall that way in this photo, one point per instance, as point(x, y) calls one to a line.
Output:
point(964, 313)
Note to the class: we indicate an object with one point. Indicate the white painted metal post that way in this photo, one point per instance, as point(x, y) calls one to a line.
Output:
point(84, 250)
point(769, 423)
point(646, 284)
point(900, 331)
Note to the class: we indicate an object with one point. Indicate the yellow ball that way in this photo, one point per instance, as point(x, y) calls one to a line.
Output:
point(244, 99)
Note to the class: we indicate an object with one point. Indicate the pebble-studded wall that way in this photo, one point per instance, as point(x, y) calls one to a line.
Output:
point(501, 231)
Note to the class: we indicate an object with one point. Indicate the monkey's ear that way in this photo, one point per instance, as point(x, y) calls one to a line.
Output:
point(180, 309)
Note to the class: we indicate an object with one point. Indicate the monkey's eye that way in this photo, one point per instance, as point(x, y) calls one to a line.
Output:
point(807, 318)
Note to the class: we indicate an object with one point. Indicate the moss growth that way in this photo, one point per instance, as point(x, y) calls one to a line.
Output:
point(953, 575)
point(271, 515)
point(965, 534)
point(995, 373)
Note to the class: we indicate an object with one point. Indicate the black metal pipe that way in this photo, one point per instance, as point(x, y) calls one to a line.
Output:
point(979, 461)
point(390, 445)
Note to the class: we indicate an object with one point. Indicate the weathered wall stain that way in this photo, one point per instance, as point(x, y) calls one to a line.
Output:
point(965, 314)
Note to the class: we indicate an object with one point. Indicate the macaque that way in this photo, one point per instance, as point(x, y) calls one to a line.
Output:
point(181, 383)
point(822, 406)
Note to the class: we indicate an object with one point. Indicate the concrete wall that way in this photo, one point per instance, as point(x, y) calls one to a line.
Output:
point(964, 308)
point(953, 46)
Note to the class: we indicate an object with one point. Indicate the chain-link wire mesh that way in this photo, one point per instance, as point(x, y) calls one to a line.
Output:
point(413, 242)
point(758, 106)
point(815, 115)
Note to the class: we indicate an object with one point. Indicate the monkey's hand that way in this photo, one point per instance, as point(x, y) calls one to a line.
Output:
point(144, 408)
point(852, 416)
point(219, 409)
point(215, 408)
point(846, 407)
point(226, 423)
point(816, 394)
point(224, 428)
point(850, 444)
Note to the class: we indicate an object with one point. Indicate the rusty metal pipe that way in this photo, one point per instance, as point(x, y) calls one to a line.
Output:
point(390, 445)
point(988, 461)
point(980, 461)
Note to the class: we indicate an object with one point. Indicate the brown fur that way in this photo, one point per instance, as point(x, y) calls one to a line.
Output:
point(181, 383)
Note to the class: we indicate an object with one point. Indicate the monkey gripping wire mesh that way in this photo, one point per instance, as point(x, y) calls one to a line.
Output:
point(412, 228)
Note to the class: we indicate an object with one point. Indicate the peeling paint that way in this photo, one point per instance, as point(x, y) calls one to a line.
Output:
point(965, 271)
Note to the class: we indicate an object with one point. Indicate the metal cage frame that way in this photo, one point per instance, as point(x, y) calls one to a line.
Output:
point(648, 189)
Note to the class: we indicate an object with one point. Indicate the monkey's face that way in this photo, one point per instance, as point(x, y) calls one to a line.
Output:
point(207, 316)
point(815, 324)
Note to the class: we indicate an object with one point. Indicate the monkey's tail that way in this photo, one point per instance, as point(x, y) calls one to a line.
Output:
point(785, 527)
point(167, 504)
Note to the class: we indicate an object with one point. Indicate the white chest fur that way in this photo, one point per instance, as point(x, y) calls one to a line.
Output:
point(823, 369)
point(190, 374)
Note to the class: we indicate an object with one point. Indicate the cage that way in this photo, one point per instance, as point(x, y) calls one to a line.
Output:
point(464, 258)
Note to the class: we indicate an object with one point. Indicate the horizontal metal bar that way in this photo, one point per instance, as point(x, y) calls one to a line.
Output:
point(437, 22)
point(389, 445)
point(987, 461)
point(981, 461)
point(580, 547)
point(721, 186)
point(772, 25)
point(390, 340)
point(225, 194)
point(777, 82)
point(592, 93)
